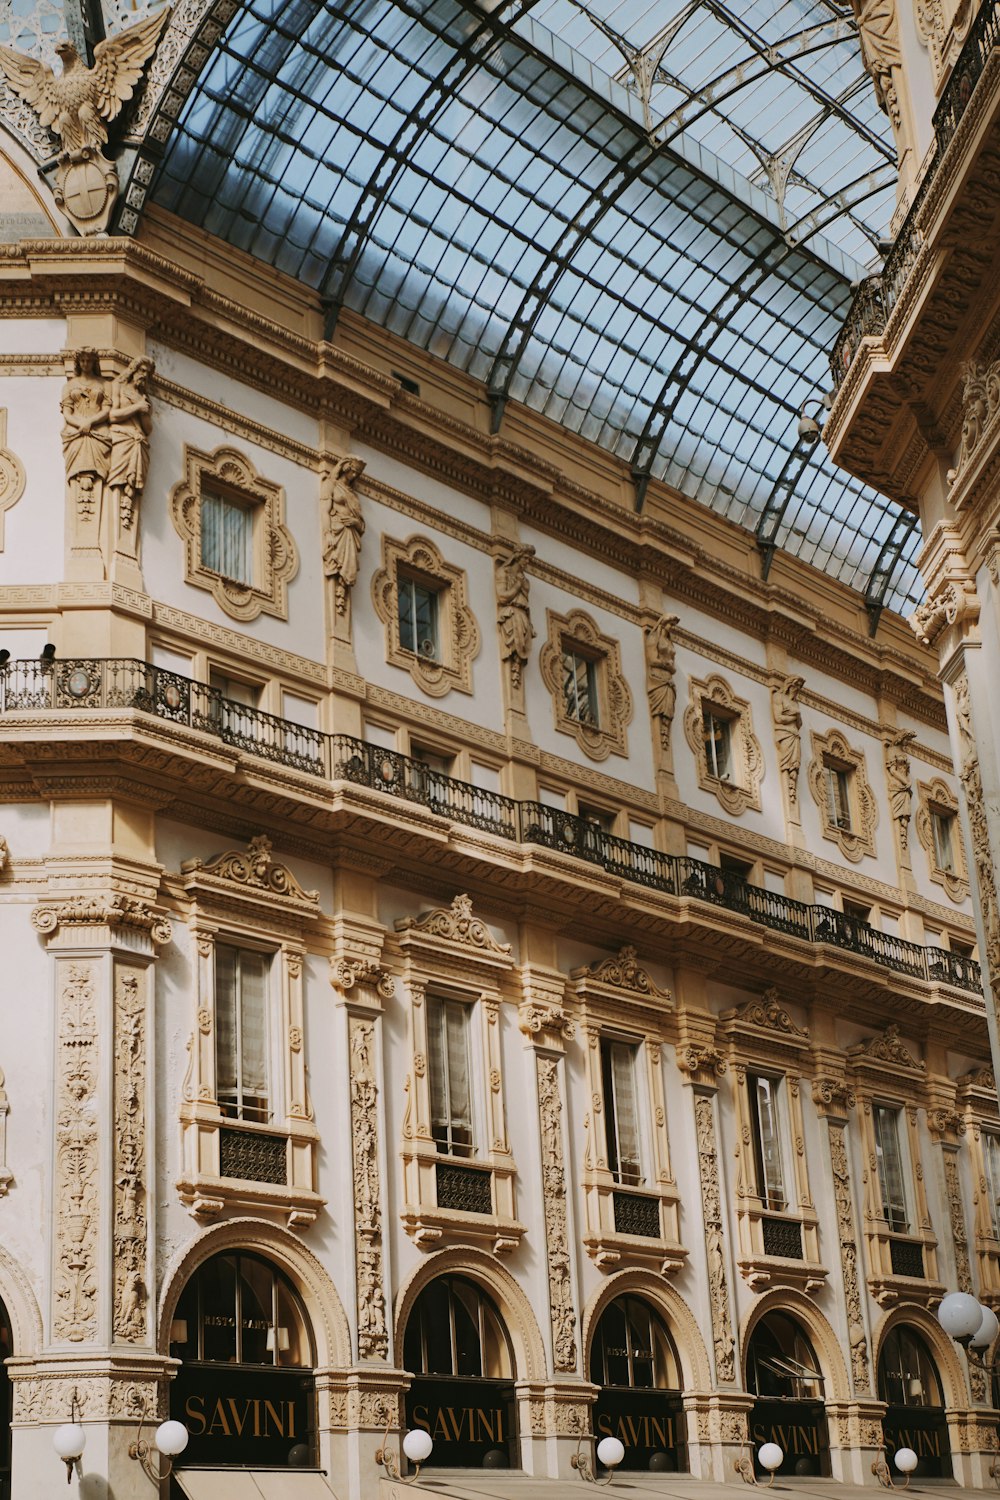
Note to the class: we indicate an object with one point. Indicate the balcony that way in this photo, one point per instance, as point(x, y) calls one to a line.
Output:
point(30, 687)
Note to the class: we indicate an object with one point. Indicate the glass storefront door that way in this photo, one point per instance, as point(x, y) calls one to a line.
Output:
point(633, 1361)
point(909, 1384)
point(784, 1375)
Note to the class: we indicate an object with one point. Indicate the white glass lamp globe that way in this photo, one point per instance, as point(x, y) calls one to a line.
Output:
point(960, 1315)
point(905, 1460)
point(171, 1438)
point(770, 1456)
point(417, 1445)
point(69, 1440)
point(610, 1452)
point(987, 1330)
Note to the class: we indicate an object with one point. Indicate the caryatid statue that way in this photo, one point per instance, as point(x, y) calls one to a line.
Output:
point(897, 771)
point(513, 612)
point(345, 526)
point(131, 422)
point(661, 669)
point(787, 719)
point(86, 435)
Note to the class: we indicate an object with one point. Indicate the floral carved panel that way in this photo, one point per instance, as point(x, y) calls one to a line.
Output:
point(739, 788)
point(77, 1168)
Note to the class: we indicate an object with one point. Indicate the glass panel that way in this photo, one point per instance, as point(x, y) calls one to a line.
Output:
point(217, 1288)
point(454, 1329)
point(293, 1343)
point(580, 688)
point(631, 1347)
point(907, 1375)
point(468, 1339)
point(767, 1141)
point(890, 1168)
point(226, 538)
point(620, 1112)
point(718, 744)
point(253, 1034)
point(449, 1071)
point(781, 1362)
point(640, 1325)
point(941, 826)
point(838, 798)
point(418, 617)
point(257, 1337)
point(226, 1059)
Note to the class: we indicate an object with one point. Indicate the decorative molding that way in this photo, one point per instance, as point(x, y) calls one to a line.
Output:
point(178, 629)
point(564, 1345)
point(130, 1307)
point(606, 734)
point(938, 797)
point(253, 875)
point(12, 475)
point(833, 1096)
point(787, 719)
point(742, 790)
point(765, 1014)
point(345, 973)
point(373, 1337)
point(235, 423)
point(458, 641)
point(661, 671)
point(886, 1048)
point(535, 1020)
point(980, 409)
point(120, 911)
point(832, 749)
point(956, 1214)
point(624, 972)
point(955, 604)
point(275, 559)
point(708, 1164)
point(76, 1189)
point(514, 625)
point(343, 528)
point(455, 924)
point(897, 775)
point(843, 1198)
point(975, 801)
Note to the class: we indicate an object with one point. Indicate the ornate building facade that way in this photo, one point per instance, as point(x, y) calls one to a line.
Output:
point(490, 963)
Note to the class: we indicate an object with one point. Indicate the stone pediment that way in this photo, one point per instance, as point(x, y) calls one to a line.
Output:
point(623, 973)
point(886, 1051)
point(454, 924)
point(249, 877)
point(764, 1023)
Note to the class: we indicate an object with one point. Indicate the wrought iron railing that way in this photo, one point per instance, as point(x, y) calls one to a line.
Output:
point(30, 686)
point(876, 297)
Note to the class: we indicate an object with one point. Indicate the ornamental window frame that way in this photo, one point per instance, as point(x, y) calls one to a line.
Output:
point(577, 633)
point(763, 1040)
point(713, 698)
point(450, 956)
point(231, 476)
point(831, 752)
point(884, 1074)
point(937, 799)
point(619, 1002)
point(457, 642)
point(243, 899)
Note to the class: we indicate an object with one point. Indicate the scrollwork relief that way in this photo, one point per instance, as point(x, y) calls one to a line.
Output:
point(456, 924)
point(131, 1293)
point(77, 1182)
point(844, 1202)
point(708, 1163)
point(373, 1338)
point(556, 1231)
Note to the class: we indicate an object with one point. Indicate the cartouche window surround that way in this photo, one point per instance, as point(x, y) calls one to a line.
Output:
point(244, 900)
point(627, 1223)
point(603, 732)
point(851, 828)
point(885, 1076)
point(977, 1100)
point(450, 956)
point(456, 640)
point(777, 1245)
point(230, 476)
point(734, 778)
point(937, 801)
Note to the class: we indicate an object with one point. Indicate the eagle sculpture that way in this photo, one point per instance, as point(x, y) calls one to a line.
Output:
point(76, 105)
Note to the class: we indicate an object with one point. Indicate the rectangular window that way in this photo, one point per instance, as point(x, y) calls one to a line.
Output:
point(838, 796)
point(449, 1068)
point(718, 734)
point(766, 1127)
point(241, 984)
point(580, 687)
point(418, 617)
point(226, 537)
point(942, 824)
point(621, 1111)
point(991, 1166)
point(889, 1156)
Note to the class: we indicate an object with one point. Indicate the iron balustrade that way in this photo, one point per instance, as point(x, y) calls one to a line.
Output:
point(876, 296)
point(105, 683)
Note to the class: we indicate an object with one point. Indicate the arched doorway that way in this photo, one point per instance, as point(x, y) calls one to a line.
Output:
point(245, 1389)
point(459, 1353)
point(909, 1384)
point(784, 1375)
point(635, 1364)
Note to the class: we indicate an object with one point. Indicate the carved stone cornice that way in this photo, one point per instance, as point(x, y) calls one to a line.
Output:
point(250, 878)
point(618, 974)
point(123, 913)
point(454, 924)
point(763, 1028)
point(885, 1056)
point(544, 1024)
point(978, 1091)
point(345, 973)
point(701, 1063)
point(945, 1125)
point(833, 1097)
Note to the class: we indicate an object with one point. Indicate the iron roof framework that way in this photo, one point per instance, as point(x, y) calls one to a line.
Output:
point(650, 238)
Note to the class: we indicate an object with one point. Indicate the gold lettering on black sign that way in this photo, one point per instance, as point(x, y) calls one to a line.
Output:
point(462, 1424)
point(795, 1438)
point(924, 1444)
point(230, 1417)
point(638, 1432)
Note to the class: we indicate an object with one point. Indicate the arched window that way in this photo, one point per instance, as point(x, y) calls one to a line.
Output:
point(787, 1380)
point(245, 1389)
point(907, 1375)
point(462, 1393)
point(634, 1363)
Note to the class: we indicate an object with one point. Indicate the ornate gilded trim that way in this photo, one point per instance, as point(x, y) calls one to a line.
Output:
point(614, 701)
point(741, 790)
point(832, 750)
point(275, 559)
point(937, 797)
point(458, 639)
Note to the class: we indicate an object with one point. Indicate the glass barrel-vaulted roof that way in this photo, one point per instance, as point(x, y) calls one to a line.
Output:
point(640, 219)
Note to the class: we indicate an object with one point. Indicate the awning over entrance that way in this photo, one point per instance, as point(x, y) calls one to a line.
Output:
point(253, 1484)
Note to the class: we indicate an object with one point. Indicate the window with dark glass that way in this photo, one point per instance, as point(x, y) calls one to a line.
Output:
point(621, 1111)
point(449, 1069)
point(838, 795)
point(417, 604)
point(580, 686)
point(241, 1062)
point(942, 832)
point(454, 1329)
point(227, 537)
point(717, 730)
point(240, 1310)
point(991, 1171)
point(781, 1362)
point(907, 1375)
point(889, 1157)
point(631, 1347)
point(766, 1126)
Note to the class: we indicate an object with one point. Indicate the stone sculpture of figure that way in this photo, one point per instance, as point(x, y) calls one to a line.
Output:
point(897, 770)
point(131, 422)
point(787, 726)
point(880, 51)
point(345, 526)
point(514, 616)
point(86, 436)
point(661, 667)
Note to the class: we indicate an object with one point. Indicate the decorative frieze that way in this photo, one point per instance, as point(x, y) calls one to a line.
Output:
point(131, 1186)
point(564, 1348)
point(723, 1339)
point(77, 1166)
point(787, 718)
point(373, 1338)
point(844, 1203)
